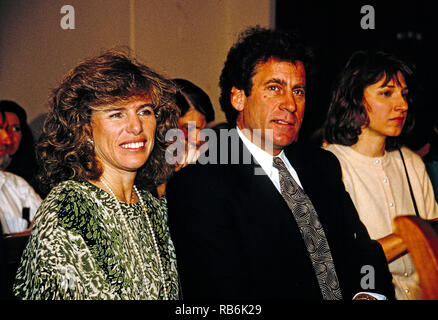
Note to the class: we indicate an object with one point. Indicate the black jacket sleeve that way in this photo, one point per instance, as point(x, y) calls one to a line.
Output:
point(208, 259)
point(359, 259)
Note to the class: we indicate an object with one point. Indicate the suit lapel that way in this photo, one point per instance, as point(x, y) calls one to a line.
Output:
point(268, 234)
point(252, 180)
point(308, 173)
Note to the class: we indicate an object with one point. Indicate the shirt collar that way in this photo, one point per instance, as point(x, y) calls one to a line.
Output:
point(261, 156)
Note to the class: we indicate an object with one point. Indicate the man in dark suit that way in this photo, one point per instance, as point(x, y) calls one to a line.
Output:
point(272, 219)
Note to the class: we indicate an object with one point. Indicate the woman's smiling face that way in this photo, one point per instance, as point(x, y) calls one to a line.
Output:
point(123, 134)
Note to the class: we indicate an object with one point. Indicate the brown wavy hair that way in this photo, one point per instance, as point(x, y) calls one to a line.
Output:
point(64, 151)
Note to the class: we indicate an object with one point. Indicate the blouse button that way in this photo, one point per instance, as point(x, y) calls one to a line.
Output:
point(406, 290)
point(385, 180)
point(406, 274)
point(377, 161)
point(391, 204)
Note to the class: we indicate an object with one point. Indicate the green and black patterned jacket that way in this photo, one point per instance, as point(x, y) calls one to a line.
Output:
point(79, 248)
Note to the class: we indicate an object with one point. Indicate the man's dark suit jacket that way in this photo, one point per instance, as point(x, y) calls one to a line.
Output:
point(236, 238)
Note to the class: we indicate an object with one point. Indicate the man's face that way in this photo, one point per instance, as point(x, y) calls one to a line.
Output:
point(275, 106)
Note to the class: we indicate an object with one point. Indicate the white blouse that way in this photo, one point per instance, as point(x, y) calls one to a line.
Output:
point(379, 190)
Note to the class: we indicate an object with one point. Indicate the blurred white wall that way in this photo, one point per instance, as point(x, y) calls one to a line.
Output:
point(179, 38)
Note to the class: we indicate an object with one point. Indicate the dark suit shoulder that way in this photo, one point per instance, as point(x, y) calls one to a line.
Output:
point(306, 152)
point(321, 163)
point(199, 183)
point(195, 174)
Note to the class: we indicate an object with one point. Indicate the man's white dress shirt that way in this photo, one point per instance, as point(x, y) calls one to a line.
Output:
point(266, 161)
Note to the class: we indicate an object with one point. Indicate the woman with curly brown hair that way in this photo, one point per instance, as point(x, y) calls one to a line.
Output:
point(100, 234)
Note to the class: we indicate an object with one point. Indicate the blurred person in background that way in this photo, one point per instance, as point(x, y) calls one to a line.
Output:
point(196, 113)
point(18, 200)
point(196, 108)
point(22, 147)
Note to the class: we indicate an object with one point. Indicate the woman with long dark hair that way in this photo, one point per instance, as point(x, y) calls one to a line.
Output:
point(369, 113)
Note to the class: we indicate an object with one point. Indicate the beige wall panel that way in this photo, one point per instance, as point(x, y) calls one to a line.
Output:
point(35, 52)
point(180, 38)
point(190, 39)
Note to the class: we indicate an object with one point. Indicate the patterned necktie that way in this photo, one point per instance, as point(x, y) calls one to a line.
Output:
point(311, 232)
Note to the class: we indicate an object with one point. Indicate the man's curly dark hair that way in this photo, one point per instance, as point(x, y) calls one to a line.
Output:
point(64, 151)
point(257, 45)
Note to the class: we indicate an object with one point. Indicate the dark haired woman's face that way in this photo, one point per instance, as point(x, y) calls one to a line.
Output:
point(386, 106)
point(14, 130)
point(123, 135)
point(195, 119)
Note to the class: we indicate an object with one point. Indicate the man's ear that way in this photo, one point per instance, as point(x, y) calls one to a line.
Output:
point(238, 99)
